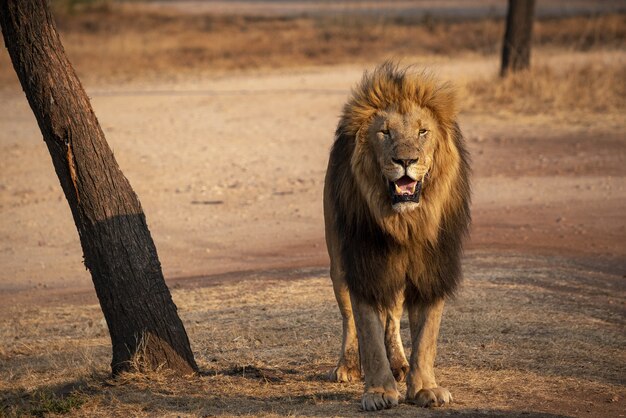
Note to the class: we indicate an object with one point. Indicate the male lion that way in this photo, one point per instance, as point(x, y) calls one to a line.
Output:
point(396, 207)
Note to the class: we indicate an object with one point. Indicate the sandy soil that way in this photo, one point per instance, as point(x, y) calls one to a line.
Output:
point(230, 169)
point(230, 173)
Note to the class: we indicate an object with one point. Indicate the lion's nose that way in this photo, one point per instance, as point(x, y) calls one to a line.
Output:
point(404, 162)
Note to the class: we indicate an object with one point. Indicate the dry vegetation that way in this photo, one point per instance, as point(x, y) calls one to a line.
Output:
point(579, 87)
point(123, 42)
point(115, 42)
point(522, 341)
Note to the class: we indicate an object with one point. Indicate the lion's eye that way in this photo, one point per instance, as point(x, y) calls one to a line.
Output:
point(423, 132)
point(385, 132)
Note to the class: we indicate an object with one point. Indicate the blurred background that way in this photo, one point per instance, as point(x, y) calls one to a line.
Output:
point(130, 39)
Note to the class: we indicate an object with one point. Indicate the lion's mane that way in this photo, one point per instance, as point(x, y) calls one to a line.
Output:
point(382, 251)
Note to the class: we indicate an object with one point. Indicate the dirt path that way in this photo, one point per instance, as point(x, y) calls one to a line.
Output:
point(230, 175)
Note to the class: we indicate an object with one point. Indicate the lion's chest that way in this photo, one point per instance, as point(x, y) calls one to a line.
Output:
point(411, 251)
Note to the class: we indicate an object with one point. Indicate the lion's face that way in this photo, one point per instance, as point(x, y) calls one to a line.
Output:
point(403, 146)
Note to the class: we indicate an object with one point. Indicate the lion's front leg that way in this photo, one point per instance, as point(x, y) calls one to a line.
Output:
point(393, 342)
point(380, 386)
point(422, 387)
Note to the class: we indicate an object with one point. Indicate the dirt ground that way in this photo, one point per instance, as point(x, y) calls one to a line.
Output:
point(230, 168)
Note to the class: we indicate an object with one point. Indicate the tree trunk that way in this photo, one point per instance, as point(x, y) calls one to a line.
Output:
point(517, 37)
point(117, 246)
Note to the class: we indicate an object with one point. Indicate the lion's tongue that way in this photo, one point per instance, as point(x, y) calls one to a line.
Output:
point(405, 185)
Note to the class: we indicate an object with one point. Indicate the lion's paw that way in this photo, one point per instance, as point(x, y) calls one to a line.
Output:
point(376, 399)
point(428, 398)
point(344, 374)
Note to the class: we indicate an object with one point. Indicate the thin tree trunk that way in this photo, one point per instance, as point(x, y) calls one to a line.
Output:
point(518, 36)
point(117, 246)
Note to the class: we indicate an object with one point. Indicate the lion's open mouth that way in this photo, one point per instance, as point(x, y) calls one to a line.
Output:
point(405, 189)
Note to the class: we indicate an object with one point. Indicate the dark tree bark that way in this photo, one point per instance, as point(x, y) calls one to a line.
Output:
point(117, 246)
point(517, 37)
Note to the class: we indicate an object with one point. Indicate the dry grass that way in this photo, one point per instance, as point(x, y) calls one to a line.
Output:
point(135, 44)
point(124, 41)
point(587, 87)
point(517, 341)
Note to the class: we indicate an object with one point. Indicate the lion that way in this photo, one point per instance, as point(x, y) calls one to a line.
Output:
point(396, 210)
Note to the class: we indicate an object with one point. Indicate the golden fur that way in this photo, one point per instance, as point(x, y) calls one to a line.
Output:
point(397, 124)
